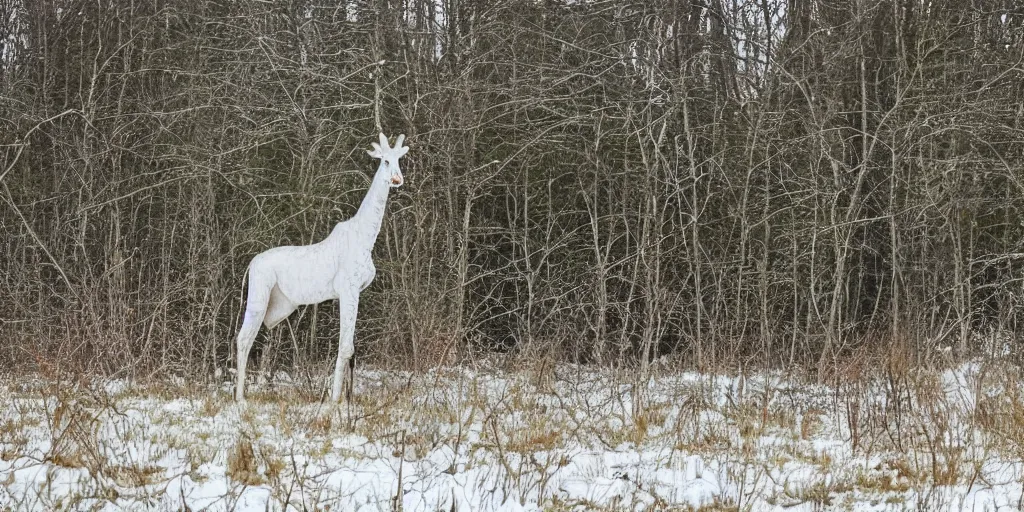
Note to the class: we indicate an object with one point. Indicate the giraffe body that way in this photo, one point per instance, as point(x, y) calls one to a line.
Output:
point(337, 268)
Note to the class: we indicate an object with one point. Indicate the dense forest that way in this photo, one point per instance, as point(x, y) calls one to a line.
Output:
point(768, 182)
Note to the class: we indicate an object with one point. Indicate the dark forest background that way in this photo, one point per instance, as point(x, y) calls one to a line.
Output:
point(767, 182)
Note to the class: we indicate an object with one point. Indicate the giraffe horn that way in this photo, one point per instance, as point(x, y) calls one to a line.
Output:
point(399, 141)
point(384, 142)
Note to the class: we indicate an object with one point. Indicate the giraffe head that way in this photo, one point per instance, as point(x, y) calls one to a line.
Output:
point(389, 159)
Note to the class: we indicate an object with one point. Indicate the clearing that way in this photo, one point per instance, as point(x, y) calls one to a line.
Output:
point(569, 438)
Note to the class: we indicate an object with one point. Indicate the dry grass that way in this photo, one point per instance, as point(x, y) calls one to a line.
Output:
point(891, 438)
point(242, 464)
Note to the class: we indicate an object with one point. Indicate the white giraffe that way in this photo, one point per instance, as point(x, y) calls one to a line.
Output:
point(339, 267)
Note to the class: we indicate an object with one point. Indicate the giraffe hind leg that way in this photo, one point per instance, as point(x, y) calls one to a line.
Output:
point(255, 311)
point(278, 308)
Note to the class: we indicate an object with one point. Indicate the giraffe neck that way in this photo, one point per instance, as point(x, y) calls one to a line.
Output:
point(371, 212)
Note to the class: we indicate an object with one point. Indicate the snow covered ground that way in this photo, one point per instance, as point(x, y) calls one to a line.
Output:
point(567, 439)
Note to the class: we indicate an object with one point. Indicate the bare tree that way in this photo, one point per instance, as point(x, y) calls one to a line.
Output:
point(721, 181)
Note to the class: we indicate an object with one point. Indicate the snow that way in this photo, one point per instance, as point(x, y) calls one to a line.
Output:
point(459, 439)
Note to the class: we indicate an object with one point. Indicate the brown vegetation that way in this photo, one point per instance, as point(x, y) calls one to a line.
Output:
point(718, 181)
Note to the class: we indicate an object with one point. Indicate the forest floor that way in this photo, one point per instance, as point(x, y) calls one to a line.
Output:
point(567, 438)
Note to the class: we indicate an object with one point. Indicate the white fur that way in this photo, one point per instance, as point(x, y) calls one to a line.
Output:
point(339, 267)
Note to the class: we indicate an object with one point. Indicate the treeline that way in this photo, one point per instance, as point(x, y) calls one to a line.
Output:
point(599, 181)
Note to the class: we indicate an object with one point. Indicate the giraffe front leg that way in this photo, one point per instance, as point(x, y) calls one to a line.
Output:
point(349, 305)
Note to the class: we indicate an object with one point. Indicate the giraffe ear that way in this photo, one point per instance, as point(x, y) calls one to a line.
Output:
point(402, 151)
point(375, 152)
